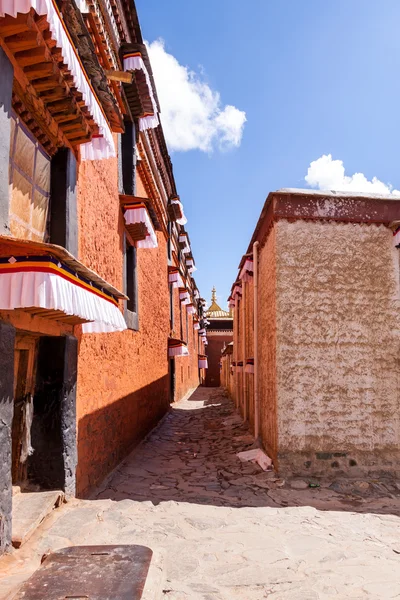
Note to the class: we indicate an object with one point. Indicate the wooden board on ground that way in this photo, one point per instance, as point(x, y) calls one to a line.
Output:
point(28, 511)
point(90, 572)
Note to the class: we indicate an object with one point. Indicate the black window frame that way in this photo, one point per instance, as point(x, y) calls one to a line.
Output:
point(127, 185)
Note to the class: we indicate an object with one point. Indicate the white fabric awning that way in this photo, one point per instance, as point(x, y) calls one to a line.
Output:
point(184, 297)
point(137, 214)
point(249, 368)
point(246, 272)
point(203, 362)
point(177, 348)
point(190, 265)
point(183, 239)
point(100, 147)
point(191, 309)
point(183, 219)
point(45, 283)
point(237, 291)
point(175, 278)
point(134, 62)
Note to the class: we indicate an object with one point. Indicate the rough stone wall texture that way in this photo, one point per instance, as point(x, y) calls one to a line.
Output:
point(123, 378)
point(267, 340)
point(236, 356)
point(338, 324)
point(216, 343)
point(227, 380)
point(122, 385)
point(249, 326)
point(7, 340)
point(186, 367)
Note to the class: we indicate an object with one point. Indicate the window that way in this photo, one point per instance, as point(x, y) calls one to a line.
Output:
point(189, 372)
point(131, 313)
point(127, 162)
point(63, 220)
point(171, 305)
point(127, 185)
point(29, 179)
point(169, 243)
point(182, 374)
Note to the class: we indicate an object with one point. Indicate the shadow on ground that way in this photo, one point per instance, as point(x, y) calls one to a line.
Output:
point(191, 457)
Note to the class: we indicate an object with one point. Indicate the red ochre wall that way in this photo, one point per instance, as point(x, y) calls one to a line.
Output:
point(213, 351)
point(123, 380)
point(186, 367)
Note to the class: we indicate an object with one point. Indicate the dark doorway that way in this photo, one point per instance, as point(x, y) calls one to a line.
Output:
point(172, 379)
point(53, 434)
point(24, 385)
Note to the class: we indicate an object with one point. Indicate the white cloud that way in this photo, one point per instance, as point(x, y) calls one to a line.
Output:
point(328, 174)
point(191, 112)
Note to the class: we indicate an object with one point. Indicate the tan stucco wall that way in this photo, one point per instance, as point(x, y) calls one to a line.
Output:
point(338, 331)
point(267, 344)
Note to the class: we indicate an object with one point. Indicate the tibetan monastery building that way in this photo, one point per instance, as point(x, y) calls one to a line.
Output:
point(99, 312)
point(315, 359)
point(219, 334)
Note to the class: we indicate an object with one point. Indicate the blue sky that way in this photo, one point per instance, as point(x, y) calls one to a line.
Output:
point(313, 77)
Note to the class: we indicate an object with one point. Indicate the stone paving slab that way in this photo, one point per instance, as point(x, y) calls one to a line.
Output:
point(226, 530)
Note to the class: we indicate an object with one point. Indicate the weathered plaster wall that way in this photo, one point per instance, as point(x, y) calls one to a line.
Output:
point(216, 343)
point(187, 367)
point(123, 378)
point(249, 352)
point(267, 345)
point(338, 347)
point(123, 384)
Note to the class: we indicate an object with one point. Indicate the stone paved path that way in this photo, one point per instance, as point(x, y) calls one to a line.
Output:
point(225, 530)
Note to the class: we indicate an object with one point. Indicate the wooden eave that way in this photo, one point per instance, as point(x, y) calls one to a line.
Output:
point(175, 211)
point(243, 259)
point(138, 93)
point(15, 246)
point(126, 199)
point(146, 174)
point(89, 55)
point(104, 54)
point(129, 9)
point(43, 90)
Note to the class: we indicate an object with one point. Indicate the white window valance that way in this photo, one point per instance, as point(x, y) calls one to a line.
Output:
point(190, 265)
point(183, 239)
point(249, 368)
point(99, 147)
point(175, 278)
point(191, 309)
point(137, 215)
point(184, 296)
point(134, 62)
point(203, 362)
point(43, 282)
point(196, 326)
point(246, 272)
point(177, 348)
point(183, 219)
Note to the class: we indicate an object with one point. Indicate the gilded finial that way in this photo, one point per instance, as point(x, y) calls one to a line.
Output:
point(213, 294)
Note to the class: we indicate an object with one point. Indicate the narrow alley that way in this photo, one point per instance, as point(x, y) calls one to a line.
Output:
point(221, 529)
